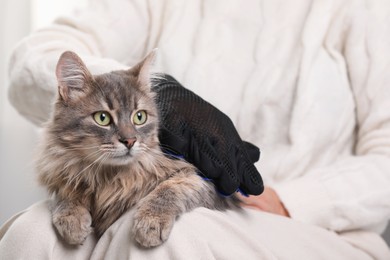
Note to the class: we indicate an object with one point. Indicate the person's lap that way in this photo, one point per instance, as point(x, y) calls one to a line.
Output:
point(200, 234)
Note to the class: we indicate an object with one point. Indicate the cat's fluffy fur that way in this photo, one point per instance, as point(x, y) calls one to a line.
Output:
point(93, 173)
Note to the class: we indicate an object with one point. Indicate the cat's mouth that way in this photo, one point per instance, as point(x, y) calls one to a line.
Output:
point(123, 157)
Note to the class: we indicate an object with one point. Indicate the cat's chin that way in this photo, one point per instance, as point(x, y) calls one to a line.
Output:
point(123, 157)
point(121, 160)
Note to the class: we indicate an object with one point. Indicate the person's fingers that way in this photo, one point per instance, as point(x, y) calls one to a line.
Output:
point(254, 202)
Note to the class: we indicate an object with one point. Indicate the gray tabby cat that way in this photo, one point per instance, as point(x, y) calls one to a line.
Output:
point(101, 156)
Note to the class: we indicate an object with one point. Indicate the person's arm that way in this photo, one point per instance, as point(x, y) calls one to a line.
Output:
point(354, 192)
point(108, 35)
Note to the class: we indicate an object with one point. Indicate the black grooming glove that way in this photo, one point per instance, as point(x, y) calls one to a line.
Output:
point(207, 138)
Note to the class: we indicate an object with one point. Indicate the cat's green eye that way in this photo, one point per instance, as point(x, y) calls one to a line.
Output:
point(140, 117)
point(102, 118)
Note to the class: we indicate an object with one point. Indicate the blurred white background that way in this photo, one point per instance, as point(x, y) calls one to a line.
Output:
point(18, 137)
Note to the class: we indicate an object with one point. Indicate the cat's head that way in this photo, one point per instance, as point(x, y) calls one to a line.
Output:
point(107, 119)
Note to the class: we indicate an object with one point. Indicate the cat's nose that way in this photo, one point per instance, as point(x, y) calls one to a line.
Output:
point(128, 142)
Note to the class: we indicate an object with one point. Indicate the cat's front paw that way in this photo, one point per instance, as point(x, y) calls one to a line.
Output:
point(151, 230)
point(73, 225)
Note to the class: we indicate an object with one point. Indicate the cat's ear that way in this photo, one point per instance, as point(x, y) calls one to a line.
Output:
point(73, 77)
point(143, 71)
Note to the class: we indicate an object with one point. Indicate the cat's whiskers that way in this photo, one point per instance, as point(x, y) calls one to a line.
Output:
point(97, 176)
point(77, 175)
point(80, 147)
point(106, 156)
point(72, 147)
point(75, 148)
point(159, 158)
point(101, 162)
point(88, 157)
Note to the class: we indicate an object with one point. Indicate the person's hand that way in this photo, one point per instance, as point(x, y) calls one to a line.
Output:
point(205, 137)
point(268, 201)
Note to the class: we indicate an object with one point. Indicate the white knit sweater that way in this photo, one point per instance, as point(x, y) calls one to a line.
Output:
point(307, 81)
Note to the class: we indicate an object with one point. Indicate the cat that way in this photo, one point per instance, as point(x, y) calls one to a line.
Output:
point(100, 156)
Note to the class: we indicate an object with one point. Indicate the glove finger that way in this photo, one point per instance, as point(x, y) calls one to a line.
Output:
point(228, 181)
point(250, 179)
point(215, 166)
point(226, 186)
point(252, 182)
point(252, 150)
point(205, 158)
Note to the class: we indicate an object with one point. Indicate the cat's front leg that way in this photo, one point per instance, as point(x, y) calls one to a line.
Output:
point(157, 212)
point(151, 228)
point(72, 221)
